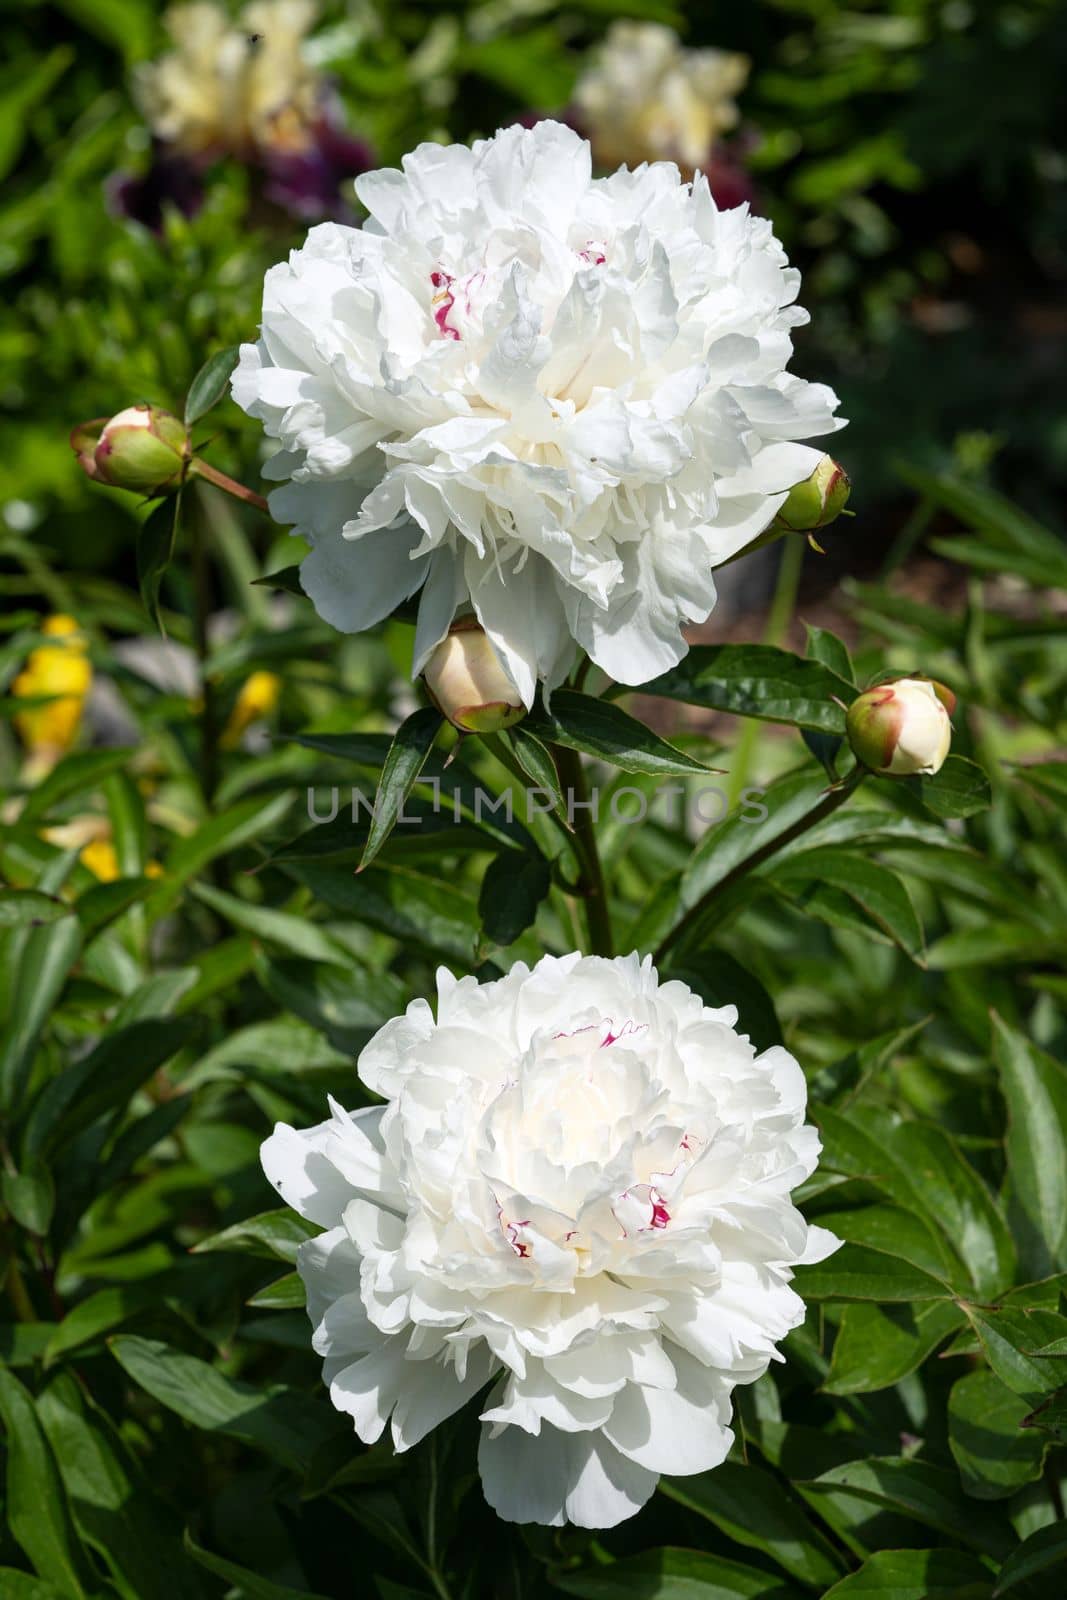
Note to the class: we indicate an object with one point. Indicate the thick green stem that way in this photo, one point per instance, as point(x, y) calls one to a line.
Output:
point(698, 913)
point(203, 469)
point(592, 887)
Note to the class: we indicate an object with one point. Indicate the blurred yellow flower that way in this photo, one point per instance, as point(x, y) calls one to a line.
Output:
point(235, 86)
point(60, 669)
point(646, 98)
point(91, 836)
point(258, 697)
point(99, 856)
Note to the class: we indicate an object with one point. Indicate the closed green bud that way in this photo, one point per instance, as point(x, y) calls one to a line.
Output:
point(141, 448)
point(817, 499)
point(468, 683)
point(902, 728)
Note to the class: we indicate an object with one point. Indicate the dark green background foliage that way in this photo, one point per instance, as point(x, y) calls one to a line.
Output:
point(165, 1429)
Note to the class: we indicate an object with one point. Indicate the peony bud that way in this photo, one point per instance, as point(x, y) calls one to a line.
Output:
point(817, 499)
point(468, 683)
point(902, 728)
point(142, 448)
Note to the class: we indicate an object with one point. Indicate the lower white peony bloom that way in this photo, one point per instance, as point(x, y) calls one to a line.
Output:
point(554, 399)
point(578, 1191)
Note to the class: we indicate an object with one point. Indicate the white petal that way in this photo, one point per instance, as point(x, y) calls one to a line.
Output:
point(556, 1478)
point(297, 1165)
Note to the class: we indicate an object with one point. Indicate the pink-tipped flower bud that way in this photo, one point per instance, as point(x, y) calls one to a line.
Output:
point(468, 683)
point(817, 499)
point(142, 448)
point(902, 728)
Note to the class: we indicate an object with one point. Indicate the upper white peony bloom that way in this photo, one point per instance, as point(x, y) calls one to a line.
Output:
point(578, 1190)
point(558, 399)
point(646, 98)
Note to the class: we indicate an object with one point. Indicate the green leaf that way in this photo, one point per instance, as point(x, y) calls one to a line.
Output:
point(1035, 1089)
point(286, 579)
point(996, 1455)
point(916, 1575)
point(79, 773)
point(895, 1231)
point(960, 789)
point(47, 957)
point(30, 1196)
point(537, 763)
point(922, 1169)
point(104, 903)
point(824, 646)
point(856, 1272)
point(344, 1005)
point(112, 1506)
point(411, 745)
point(752, 1508)
point(25, 908)
point(758, 680)
point(98, 1314)
point(210, 384)
point(1037, 1554)
point(728, 844)
point(250, 1583)
point(670, 1574)
point(928, 1494)
point(281, 1422)
point(23, 1343)
point(102, 1080)
point(37, 1513)
point(815, 880)
point(294, 934)
point(513, 886)
point(876, 1346)
point(1009, 1338)
point(18, 1585)
point(220, 835)
point(1051, 1417)
point(277, 1235)
point(156, 540)
point(598, 728)
point(284, 1294)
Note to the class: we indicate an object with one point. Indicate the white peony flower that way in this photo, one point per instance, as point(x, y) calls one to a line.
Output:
point(646, 98)
point(577, 1191)
point(556, 399)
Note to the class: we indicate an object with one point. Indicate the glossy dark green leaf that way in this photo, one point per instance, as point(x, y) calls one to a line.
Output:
point(210, 384)
point(79, 773)
point(1009, 1337)
point(815, 880)
point(37, 1513)
point(878, 1345)
point(916, 1575)
point(824, 646)
point(856, 1272)
point(296, 935)
point(513, 886)
point(249, 1583)
point(284, 1294)
point(1035, 1089)
point(752, 1508)
point(277, 1235)
point(727, 845)
point(101, 1081)
point(758, 680)
point(536, 762)
point(280, 1421)
point(411, 745)
point(995, 1454)
point(157, 539)
point(47, 956)
point(598, 728)
point(23, 908)
point(1041, 1552)
point(111, 1502)
point(30, 1196)
point(674, 1574)
point(929, 1494)
point(960, 789)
